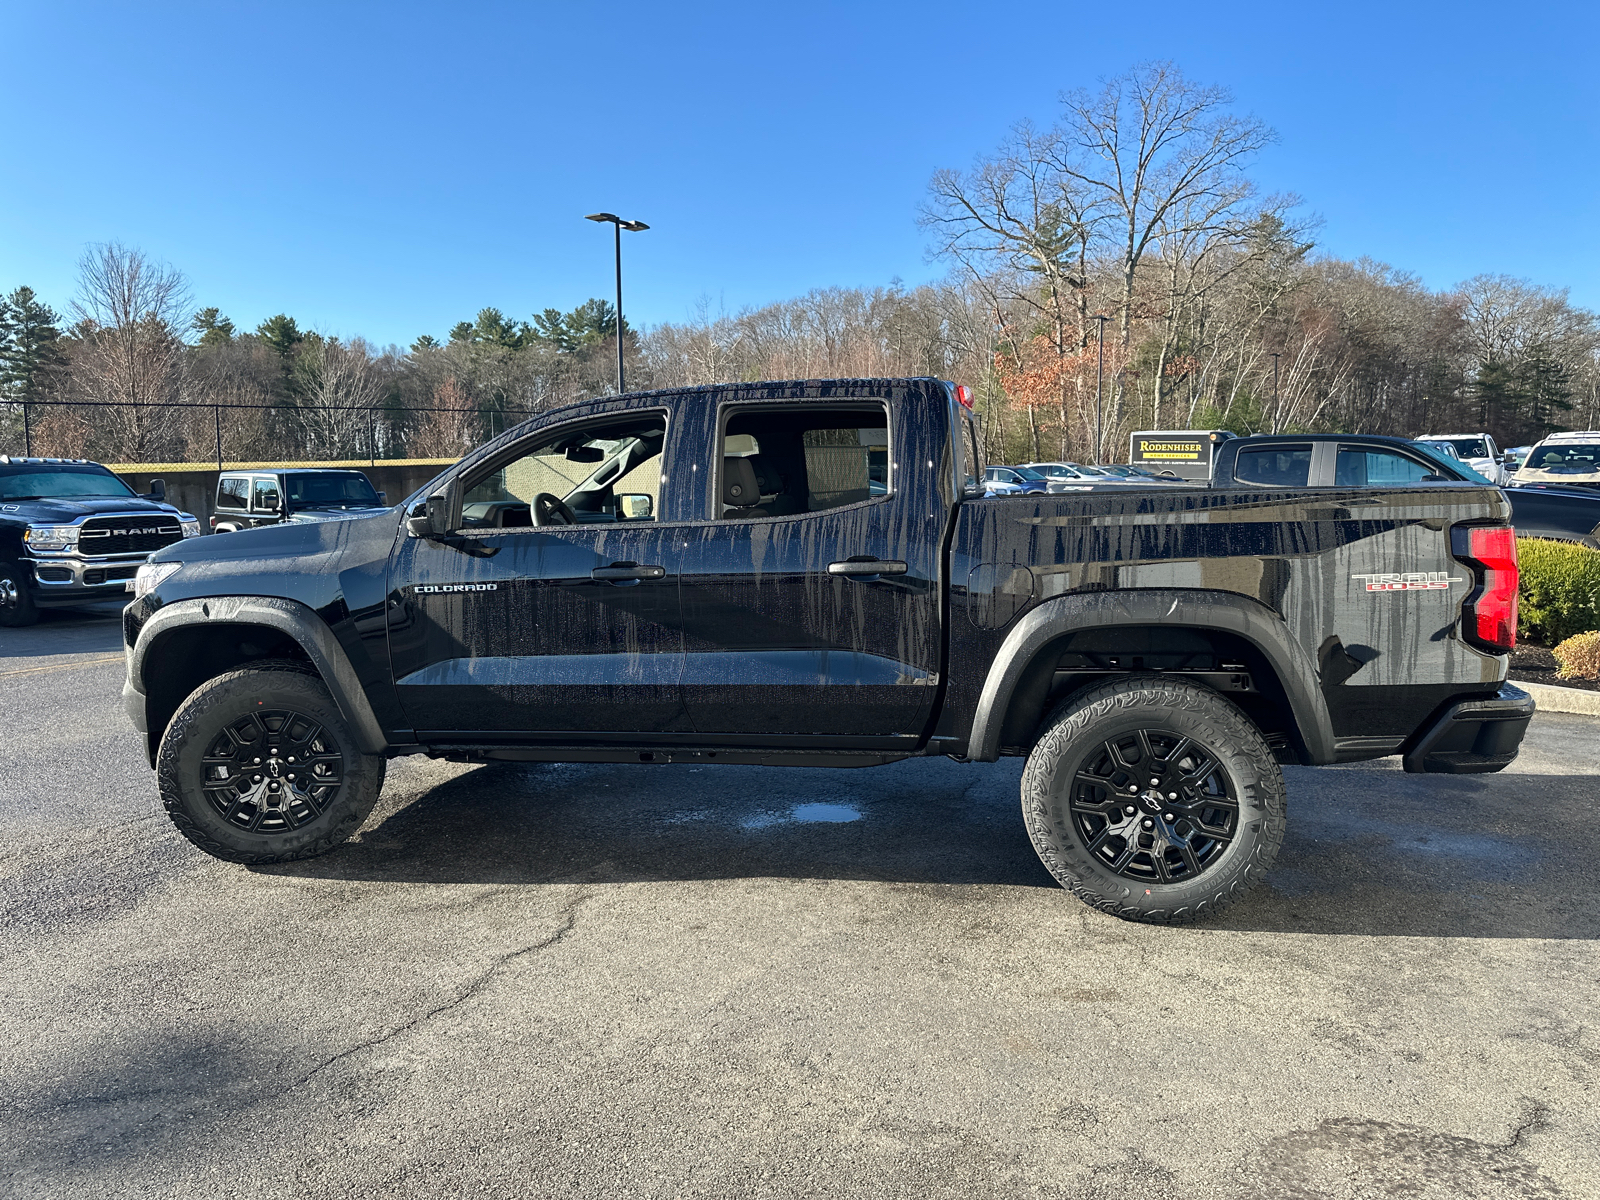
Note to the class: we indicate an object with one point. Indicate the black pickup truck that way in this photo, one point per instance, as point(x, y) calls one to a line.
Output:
point(71, 532)
point(718, 575)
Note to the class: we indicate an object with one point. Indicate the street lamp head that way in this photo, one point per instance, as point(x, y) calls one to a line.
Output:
point(631, 226)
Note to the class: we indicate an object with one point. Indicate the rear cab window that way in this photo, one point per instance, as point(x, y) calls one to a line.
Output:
point(790, 462)
point(233, 493)
point(1274, 466)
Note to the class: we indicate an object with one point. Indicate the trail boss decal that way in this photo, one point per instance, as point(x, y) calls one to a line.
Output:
point(1410, 581)
point(433, 589)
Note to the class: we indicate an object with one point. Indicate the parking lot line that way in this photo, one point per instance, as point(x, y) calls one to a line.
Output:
point(88, 662)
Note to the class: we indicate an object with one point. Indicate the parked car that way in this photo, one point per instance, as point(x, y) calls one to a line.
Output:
point(1154, 653)
point(1024, 479)
point(1337, 460)
point(1565, 514)
point(1477, 450)
point(1568, 460)
point(271, 496)
point(71, 532)
point(1142, 474)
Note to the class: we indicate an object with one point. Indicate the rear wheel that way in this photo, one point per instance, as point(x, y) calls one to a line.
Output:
point(1154, 799)
point(258, 766)
point(16, 601)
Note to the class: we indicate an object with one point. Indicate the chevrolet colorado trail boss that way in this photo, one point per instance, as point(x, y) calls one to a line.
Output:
point(71, 532)
point(715, 575)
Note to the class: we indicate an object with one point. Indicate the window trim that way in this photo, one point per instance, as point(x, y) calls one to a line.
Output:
point(729, 409)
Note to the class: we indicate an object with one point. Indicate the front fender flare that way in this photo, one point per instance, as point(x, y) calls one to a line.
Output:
point(289, 617)
point(1195, 609)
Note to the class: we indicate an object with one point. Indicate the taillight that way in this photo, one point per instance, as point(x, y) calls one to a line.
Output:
point(1489, 616)
point(964, 395)
point(213, 520)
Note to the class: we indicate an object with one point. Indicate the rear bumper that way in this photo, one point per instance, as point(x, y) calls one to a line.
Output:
point(1474, 736)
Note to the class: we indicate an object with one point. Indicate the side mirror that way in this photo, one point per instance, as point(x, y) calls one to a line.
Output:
point(158, 489)
point(271, 503)
point(383, 497)
point(433, 521)
point(635, 506)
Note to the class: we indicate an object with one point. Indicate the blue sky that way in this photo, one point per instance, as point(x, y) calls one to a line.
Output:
point(389, 169)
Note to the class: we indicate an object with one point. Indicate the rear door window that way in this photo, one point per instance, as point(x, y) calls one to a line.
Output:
point(266, 495)
point(1274, 466)
point(1363, 466)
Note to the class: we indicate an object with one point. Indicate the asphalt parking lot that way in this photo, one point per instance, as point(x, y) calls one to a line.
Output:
point(529, 980)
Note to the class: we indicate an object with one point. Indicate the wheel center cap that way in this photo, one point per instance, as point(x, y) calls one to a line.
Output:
point(274, 768)
point(1150, 800)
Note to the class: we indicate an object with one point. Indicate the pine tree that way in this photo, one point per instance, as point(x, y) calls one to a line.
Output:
point(28, 345)
point(281, 333)
point(214, 328)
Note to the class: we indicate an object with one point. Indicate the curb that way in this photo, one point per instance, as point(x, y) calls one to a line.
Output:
point(1551, 698)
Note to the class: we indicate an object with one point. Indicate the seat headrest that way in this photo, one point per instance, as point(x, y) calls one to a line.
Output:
point(767, 479)
point(739, 486)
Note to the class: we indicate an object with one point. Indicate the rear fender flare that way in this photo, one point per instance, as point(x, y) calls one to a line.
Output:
point(1195, 609)
point(289, 617)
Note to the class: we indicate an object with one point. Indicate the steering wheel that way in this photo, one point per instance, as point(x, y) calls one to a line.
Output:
point(550, 509)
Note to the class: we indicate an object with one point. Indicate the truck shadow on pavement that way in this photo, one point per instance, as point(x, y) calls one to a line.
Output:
point(1370, 850)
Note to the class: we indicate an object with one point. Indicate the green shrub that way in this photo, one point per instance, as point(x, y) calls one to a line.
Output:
point(1560, 590)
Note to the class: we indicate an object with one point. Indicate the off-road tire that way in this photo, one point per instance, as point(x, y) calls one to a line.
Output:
point(16, 604)
point(227, 699)
point(1082, 726)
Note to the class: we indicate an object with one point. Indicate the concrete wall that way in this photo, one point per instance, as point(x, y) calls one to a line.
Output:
point(193, 487)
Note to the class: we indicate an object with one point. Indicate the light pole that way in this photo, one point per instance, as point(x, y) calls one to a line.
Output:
point(1274, 389)
point(619, 225)
point(1099, 379)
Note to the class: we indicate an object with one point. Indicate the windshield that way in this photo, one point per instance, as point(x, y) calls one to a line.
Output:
point(1054, 470)
point(333, 488)
point(1453, 465)
point(1466, 447)
point(1568, 458)
point(1082, 470)
point(55, 483)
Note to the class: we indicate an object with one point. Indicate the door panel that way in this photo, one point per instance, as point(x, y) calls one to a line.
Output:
point(509, 632)
point(776, 645)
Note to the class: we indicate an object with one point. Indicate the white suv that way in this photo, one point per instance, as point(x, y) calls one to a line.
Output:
point(1477, 450)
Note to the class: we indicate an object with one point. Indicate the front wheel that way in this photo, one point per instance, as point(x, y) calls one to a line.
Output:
point(1154, 799)
point(258, 766)
point(16, 602)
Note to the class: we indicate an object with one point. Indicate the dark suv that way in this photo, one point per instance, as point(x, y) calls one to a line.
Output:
point(277, 494)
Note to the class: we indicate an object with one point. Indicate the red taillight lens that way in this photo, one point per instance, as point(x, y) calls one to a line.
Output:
point(213, 520)
point(964, 395)
point(1489, 616)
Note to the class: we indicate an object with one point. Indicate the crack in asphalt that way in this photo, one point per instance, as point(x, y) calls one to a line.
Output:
point(569, 916)
point(1533, 1120)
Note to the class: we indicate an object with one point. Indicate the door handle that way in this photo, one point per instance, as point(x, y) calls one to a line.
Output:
point(867, 566)
point(625, 572)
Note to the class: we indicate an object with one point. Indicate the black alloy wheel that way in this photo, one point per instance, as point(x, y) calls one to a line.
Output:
point(1154, 799)
point(259, 766)
point(272, 771)
point(1155, 805)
